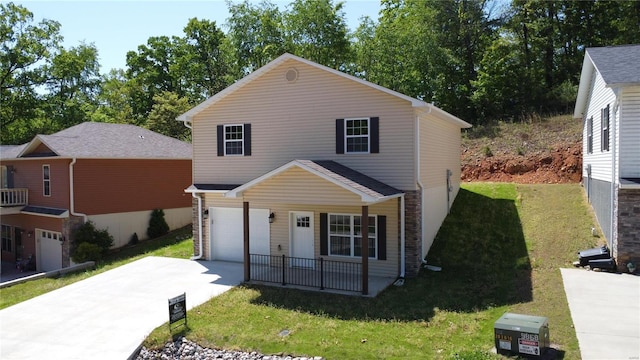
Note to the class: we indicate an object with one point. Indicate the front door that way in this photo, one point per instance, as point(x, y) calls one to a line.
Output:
point(302, 236)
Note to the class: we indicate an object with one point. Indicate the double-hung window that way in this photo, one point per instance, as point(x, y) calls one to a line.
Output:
point(6, 238)
point(604, 116)
point(357, 135)
point(345, 235)
point(46, 180)
point(234, 140)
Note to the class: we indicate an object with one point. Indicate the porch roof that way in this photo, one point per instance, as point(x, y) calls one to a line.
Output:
point(45, 211)
point(369, 189)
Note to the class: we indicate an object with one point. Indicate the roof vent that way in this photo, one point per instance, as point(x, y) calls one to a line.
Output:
point(141, 136)
point(291, 75)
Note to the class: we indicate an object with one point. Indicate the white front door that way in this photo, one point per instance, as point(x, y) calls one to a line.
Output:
point(302, 238)
point(50, 250)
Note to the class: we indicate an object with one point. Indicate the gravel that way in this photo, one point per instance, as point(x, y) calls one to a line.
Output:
point(184, 349)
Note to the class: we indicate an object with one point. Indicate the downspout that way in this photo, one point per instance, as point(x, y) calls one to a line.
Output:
point(613, 167)
point(72, 207)
point(402, 236)
point(199, 256)
point(418, 177)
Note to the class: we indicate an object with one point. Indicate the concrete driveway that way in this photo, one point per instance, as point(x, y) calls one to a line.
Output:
point(108, 315)
point(605, 309)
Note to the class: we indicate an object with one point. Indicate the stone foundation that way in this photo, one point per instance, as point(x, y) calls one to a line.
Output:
point(627, 247)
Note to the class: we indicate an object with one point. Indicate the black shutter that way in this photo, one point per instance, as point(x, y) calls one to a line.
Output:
point(374, 134)
point(339, 136)
point(247, 139)
point(382, 237)
point(220, 135)
point(324, 234)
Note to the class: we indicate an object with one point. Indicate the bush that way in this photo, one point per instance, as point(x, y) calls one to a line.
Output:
point(87, 233)
point(157, 224)
point(487, 151)
point(134, 239)
point(87, 252)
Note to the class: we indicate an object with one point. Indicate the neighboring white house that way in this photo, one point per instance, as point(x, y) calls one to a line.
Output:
point(608, 103)
point(309, 150)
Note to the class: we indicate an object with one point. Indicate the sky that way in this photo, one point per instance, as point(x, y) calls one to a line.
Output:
point(116, 27)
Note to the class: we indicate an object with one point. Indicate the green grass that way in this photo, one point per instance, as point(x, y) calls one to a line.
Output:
point(500, 249)
point(176, 244)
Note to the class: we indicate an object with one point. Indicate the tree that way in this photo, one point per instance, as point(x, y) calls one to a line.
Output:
point(162, 118)
point(26, 51)
point(317, 30)
point(256, 34)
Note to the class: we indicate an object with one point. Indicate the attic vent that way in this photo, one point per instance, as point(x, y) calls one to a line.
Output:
point(291, 75)
point(141, 136)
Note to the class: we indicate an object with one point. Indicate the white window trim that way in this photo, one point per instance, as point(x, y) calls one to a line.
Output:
point(604, 131)
point(352, 236)
point(346, 147)
point(45, 181)
point(224, 138)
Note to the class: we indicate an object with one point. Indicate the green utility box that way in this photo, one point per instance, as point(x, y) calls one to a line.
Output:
point(524, 335)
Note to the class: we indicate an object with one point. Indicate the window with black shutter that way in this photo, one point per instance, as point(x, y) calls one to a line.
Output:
point(357, 135)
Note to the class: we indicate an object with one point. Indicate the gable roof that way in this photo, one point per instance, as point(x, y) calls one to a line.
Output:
point(369, 189)
point(104, 141)
point(619, 66)
point(188, 116)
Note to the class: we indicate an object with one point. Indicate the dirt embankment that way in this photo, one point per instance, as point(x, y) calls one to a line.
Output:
point(563, 164)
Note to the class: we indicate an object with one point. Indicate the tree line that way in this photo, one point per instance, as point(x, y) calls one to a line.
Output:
point(481, 60)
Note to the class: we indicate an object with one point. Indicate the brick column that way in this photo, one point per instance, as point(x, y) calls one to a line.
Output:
point(627, 241)
point(413, 230)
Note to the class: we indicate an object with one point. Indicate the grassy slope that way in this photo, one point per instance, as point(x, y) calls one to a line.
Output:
point(500, 250)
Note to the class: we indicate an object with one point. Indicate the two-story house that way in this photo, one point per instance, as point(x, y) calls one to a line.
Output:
point(302, 161)
point(608, 103)
point(111, 174)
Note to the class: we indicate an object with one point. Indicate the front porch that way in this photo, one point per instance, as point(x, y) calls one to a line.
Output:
point(319, 274)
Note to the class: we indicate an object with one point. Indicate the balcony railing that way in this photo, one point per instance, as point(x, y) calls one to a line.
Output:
point(14, 197)
point(319, 273)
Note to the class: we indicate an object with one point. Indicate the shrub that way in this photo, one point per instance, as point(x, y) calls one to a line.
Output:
point(87, 233)
point(87, 252)
point(487, 151)
point(134, 239)
point(157, 224)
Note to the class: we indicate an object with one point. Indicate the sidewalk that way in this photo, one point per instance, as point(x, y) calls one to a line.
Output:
point(107, 316)
point(605, 309)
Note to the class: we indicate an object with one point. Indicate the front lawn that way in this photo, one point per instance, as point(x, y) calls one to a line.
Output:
point(500, 251)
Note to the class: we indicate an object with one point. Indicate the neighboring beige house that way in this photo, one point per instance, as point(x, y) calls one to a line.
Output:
point(307, 150)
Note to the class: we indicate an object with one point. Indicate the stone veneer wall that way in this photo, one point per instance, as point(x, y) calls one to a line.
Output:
point(413, 231)
point(69, 226)
point(627, 244)
point(195, 229)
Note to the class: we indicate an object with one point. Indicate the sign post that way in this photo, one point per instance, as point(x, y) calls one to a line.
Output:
point(178, 310)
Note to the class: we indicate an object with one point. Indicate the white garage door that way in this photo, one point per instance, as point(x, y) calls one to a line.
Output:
point(227, 233)
point(50, 250)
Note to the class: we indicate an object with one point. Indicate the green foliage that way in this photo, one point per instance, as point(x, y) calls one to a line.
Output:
point(134, 239)
point(157, 224)
point(89, 235)
point(487, 151)
point(87, 252)
point(162, 118)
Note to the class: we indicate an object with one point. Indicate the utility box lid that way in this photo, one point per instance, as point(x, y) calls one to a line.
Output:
point(522, 323)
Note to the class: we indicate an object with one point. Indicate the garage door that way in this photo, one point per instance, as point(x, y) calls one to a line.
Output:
point(227, 234)
point(50, 250)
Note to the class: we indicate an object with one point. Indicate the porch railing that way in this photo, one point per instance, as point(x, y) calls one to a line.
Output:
point(319, 273)
point(14, 197)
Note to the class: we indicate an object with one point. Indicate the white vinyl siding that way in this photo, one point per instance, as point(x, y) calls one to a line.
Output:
point(440, 144)
point(629, 132)
point(296, 120)
point(600, 161)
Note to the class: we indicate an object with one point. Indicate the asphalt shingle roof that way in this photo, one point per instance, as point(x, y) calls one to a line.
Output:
point(618, 65)
point(110, 141)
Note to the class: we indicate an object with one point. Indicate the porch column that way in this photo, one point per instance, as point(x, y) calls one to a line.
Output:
point(364, 230)
point(245, 222)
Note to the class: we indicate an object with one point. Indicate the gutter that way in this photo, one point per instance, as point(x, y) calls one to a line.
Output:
point(199, 256)
point(72, 206)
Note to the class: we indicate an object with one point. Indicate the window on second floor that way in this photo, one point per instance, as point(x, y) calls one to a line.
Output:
point(234, 140)
point(590, 135)
point(357, 136)
point(604, 116)
point(46, 180)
